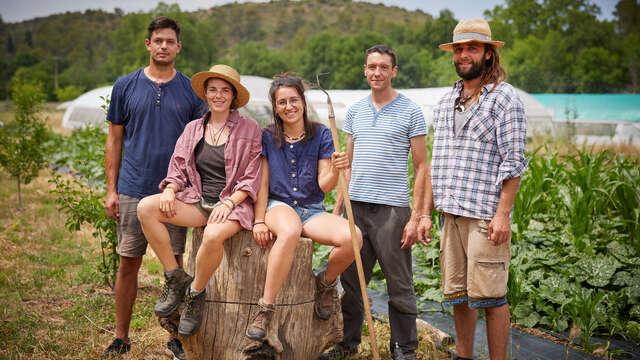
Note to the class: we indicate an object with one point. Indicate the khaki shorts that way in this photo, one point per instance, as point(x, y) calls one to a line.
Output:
point(473, 269)
point(131, 240)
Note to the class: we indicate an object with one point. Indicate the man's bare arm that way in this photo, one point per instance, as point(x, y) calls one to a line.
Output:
point(113, 154)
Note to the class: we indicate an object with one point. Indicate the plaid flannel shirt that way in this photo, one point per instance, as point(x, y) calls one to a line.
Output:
point(467, 169)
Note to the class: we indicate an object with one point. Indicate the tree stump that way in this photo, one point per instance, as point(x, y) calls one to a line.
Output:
point(295, 332)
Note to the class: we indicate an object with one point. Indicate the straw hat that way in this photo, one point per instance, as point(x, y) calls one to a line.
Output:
point(472, 30)
point(224, 72)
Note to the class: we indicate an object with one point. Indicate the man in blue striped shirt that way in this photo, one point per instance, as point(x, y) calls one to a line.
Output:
point(383, 128)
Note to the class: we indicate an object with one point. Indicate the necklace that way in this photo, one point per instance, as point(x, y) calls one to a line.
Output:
point(300, 137)
point(215, 136)
point(461, 101)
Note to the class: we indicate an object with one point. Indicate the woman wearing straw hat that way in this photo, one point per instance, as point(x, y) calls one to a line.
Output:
point(299, 167)
point(213, 180)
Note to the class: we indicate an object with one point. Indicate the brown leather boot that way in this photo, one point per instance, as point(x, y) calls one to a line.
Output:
point(257, 330)
point(325, 291)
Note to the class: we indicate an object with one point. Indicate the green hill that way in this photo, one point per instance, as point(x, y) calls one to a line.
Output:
point(551, 47)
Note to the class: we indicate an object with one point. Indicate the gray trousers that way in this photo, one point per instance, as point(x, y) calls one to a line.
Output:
point(382, 227)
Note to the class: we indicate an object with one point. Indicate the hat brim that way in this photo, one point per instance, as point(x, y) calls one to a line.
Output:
point(198, 80)
point(449, 46)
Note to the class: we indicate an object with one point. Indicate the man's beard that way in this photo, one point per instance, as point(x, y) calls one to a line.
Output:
point(476, 70)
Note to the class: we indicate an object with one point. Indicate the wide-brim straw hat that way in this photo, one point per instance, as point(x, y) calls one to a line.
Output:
point(477, 30)
point(224, 72)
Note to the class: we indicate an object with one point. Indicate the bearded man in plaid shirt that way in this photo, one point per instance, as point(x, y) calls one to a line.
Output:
point(476, 165)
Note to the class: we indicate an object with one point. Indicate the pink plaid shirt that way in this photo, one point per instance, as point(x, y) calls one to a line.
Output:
point(243, 165)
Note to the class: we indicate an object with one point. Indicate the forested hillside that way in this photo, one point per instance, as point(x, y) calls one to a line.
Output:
point(552, 45)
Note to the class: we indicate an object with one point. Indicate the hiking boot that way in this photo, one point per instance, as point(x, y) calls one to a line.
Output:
point(174, 348)
point(339, 352)
point(325, 291)
point(191, 317)
point(116, 349)
point(398, 354)
point(176, 282)
point(257, 330)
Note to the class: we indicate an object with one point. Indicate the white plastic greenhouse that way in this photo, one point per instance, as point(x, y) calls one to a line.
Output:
point(87, 109)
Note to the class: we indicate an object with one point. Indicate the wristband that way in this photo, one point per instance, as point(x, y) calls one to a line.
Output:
point(258, 222)
point(170, 188)
point(424, 216)
point(227, 206)
point(233, 202)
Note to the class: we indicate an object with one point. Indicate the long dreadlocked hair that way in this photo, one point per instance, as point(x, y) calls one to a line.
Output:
point(493, 72)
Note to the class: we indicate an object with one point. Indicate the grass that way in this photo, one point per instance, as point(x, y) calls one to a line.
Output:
point(54, 305)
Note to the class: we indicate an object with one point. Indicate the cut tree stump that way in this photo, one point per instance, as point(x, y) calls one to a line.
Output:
point(295, 332)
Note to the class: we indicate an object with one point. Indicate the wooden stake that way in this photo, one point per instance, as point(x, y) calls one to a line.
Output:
point(342, 187)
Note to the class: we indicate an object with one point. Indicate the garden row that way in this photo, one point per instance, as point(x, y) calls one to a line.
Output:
point(575, 246)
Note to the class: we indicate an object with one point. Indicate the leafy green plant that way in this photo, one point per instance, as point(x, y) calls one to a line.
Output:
point(583, 313)
point(23, 147)
point(83, 205)
point(82, 197)
point(69, 92)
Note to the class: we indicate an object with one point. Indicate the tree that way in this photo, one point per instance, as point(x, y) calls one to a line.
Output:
point(28, 38)
point(254, 58)
point(628, 14)
point(11, 47)
point(598, 71)
point(631, 58)
point(22, 149)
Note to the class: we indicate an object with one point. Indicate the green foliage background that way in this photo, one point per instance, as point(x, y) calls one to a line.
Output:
point(23, 142)
point(555, 46)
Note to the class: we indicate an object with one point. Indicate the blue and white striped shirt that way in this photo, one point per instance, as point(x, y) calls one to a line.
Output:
point(379, 171)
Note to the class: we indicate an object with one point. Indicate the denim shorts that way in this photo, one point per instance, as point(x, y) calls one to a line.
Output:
point(305, 212)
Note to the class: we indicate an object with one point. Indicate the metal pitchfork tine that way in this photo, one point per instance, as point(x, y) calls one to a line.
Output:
point(342, 188)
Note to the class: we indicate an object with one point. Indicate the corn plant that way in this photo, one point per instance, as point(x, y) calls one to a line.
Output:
point(583, 313)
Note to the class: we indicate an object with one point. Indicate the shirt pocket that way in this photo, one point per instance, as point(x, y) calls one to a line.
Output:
point(308, 173)
point(482, 127)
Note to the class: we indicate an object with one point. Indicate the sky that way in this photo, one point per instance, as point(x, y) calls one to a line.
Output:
point(18, 10)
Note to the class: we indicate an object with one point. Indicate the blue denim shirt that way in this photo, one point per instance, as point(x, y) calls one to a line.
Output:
point(293, 169)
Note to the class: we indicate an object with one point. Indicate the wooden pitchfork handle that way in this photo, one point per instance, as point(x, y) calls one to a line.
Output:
point(342, 187)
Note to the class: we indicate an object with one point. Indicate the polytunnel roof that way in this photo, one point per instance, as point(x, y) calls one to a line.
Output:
point(426, 98)
point(87, 108)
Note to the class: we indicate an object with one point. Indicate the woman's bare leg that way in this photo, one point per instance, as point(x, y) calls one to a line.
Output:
point(152, 221)
point(285, 224)
point(339, 237)
point(210, 253)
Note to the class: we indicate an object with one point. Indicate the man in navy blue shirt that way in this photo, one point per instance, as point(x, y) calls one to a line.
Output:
point(148, 111)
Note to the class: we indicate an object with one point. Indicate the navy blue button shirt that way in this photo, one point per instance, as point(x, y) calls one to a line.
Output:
point(293, 169)
point(153, 116)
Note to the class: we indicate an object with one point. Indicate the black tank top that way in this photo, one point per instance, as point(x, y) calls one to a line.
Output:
point(210, 166)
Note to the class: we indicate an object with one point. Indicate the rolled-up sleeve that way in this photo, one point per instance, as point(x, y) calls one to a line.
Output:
point(511, 131)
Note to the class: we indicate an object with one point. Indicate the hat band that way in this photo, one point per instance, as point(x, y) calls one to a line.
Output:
point(471, 36)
